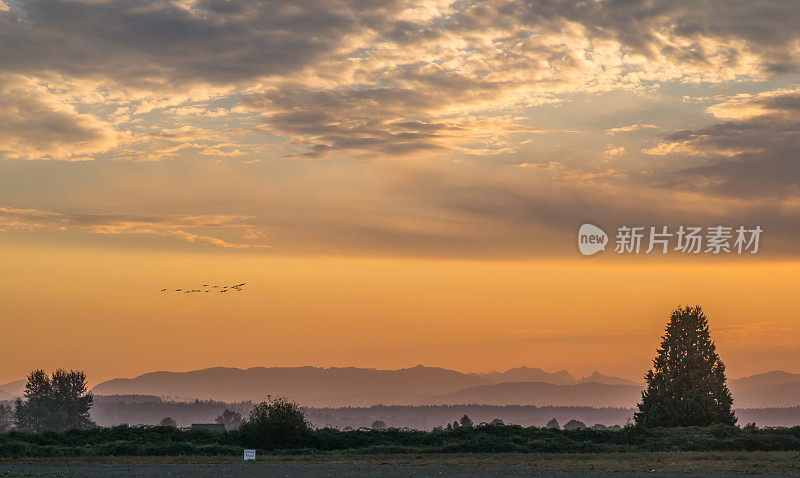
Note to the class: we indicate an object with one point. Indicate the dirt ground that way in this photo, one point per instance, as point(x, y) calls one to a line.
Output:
point(377, 466)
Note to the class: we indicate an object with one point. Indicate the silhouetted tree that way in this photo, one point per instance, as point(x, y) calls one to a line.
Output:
point(276, 423)
point(231, 419)
point(59, 402)
point(378, 425)
point(574, 425)
point(686, 386)
point(496, 421)
point(168, 422)
point(33, 414)
point(71, 400)
point(6, 418)
point(465, 421)
point(455, 424)
point(553, 423)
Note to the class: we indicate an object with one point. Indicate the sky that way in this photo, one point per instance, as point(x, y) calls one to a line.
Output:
point(397, 182)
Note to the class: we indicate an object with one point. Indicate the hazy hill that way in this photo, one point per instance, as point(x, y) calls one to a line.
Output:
point(770, 389)
point(545, 394)
point(767, 379)
point(113, 410)
point(350, 386)
point(527, 374)
point(14, 389)
point(597, 377)
point(311, 386)
point(5, 395)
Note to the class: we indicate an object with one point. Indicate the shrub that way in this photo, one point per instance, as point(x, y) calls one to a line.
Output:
point(276, 423)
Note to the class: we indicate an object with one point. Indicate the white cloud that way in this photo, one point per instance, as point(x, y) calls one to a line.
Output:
point(36, 124)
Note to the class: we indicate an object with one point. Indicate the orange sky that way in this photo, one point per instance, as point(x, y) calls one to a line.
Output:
point(397, 182)
point(100, 309)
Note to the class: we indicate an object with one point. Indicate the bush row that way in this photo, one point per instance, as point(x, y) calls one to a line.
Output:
point(154, 441)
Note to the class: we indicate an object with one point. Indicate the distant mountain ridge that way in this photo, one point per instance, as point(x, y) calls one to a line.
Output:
point(771, 389)
point(597, 377)
point(308, 385)
point(527, 374)
point(562, 377)
point(352, 386)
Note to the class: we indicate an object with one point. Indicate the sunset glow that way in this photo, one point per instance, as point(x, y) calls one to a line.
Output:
point(396, 182)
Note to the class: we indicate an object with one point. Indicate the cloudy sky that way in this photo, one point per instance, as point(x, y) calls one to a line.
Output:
point(377, 145)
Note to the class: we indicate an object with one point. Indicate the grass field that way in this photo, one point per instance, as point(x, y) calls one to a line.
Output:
point(477, 465)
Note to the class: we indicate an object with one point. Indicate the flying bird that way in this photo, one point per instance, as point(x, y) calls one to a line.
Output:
point(222, 288)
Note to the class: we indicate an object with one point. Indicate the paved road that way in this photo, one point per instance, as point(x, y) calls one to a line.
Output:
point(293, 470)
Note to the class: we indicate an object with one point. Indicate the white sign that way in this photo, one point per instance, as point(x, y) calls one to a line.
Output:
point(249, 455)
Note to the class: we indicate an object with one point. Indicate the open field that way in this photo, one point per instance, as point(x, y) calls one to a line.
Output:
point(481, 451)
point(469, 465)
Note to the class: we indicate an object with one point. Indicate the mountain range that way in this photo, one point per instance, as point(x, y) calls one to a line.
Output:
point(351, 386)
point(562, 377)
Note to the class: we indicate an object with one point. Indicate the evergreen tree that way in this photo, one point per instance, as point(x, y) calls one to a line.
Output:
point(34, 413)
point(686, 386)
point(465, 421)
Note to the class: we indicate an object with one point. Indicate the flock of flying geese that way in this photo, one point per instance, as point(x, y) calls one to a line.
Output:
point(209, 288)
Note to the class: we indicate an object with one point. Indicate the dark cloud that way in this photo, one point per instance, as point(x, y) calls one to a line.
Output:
point(768, 27)
point(389, 77)
point(385, 121)
point(756, 154)
point(163, 43)
point(515, 53)
point(401, 78)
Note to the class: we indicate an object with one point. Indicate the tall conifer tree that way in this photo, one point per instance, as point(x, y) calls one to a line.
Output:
point(686, 386)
